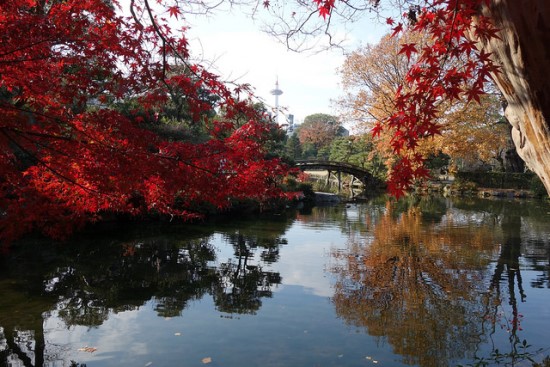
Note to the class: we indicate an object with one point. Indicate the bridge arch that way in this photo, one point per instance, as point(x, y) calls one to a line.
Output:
point(361, 174)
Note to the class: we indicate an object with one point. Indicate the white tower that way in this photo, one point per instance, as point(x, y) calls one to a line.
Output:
point(277, 92)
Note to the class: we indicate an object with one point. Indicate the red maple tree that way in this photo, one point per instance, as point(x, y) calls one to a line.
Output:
point(452, 25)
point(67, 156)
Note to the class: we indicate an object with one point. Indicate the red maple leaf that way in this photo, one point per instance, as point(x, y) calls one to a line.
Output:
point(397, 29)
point(174, 11)
point(408, 49)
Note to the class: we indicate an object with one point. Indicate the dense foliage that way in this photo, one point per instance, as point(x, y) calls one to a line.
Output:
point(69, 152)
point(448, 66)
point(372, 75)
point(80, 87)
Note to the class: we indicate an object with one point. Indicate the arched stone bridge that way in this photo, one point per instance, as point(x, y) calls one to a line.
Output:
point(361, 174)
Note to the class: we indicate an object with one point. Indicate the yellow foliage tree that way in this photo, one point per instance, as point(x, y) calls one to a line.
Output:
point(472, 133)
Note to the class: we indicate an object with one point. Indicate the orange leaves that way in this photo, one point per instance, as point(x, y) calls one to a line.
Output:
point(439, 72)
point(408, 101)
point(319, 130)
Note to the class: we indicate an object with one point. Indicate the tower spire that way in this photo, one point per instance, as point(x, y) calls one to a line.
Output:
point(276, 92)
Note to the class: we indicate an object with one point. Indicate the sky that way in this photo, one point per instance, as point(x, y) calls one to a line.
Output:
point(242, 52)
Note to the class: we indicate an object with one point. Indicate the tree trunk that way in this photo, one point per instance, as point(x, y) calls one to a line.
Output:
point(523, 52)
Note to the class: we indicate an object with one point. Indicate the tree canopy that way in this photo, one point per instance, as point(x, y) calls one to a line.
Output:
point(371, 77)
point(69, 154)
point(319, 129)
point(493, 38)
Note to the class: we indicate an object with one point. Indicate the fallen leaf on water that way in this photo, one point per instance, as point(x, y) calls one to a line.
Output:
point(87, 349)
point(206, 360)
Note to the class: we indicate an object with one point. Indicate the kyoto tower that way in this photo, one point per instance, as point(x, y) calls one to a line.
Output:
point(276, 92)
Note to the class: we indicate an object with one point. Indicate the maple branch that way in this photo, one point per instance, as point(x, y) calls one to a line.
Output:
point(134, 16)
point(58, 137)
point(26, 46)
point(453, 24)
point(49, 168)
point(162, 37)
point(16, 61)
point(178, 159)
point(41, 135)
point(38, 160)
point(24, 136)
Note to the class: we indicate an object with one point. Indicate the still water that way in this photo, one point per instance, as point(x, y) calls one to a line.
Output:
point(420, 282)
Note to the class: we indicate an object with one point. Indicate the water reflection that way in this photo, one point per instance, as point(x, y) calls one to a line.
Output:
point(425, 281)
point(84, 283)
point(240, 285)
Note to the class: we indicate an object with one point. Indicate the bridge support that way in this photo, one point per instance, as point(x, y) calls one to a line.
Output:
point(338, 177)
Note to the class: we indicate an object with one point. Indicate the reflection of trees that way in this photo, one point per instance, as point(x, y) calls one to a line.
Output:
point(431, 283)
point(416, 285)
point(84, 282)
point(22, 335)
point(349, 218)
point(543, 280)
point(507, 272)
point(515, 217)
point(242, 284)
point(125, 277)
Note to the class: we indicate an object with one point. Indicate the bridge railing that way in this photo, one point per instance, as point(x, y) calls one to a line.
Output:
point(329, 163)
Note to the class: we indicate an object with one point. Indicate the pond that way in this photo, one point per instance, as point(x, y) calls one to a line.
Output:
point(426, 281)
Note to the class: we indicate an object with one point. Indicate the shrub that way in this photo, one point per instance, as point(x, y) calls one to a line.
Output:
point(498, 180)
point(537, 187)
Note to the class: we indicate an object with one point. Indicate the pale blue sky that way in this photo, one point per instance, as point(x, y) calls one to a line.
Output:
point(241, 51)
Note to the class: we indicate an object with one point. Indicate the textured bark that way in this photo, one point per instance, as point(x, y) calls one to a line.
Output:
point(523, 52)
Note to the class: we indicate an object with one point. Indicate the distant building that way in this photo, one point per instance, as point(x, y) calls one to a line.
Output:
point(342, 131)
point(290, 128)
